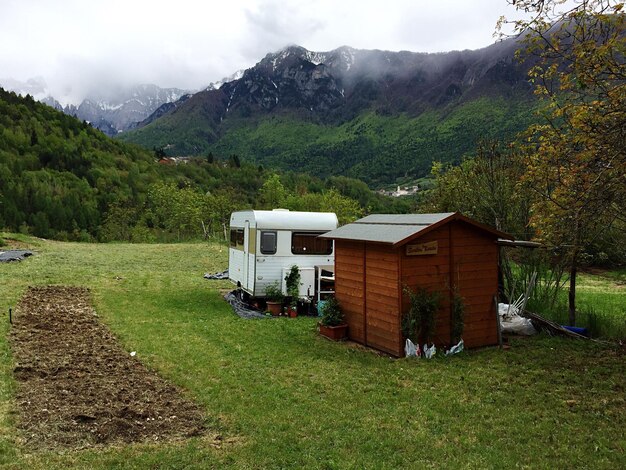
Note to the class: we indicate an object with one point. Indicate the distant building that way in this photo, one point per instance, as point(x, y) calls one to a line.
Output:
point(173, 160)
point(406, 191)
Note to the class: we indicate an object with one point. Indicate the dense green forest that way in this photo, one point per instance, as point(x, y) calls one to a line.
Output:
point(375, 146)
point(60, 178)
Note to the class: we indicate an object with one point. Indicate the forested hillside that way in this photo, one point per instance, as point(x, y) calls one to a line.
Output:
point(375, 147)
point(60, 178)
point(58, 175)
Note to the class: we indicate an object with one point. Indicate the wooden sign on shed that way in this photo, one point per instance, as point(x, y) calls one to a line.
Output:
point(429, 248)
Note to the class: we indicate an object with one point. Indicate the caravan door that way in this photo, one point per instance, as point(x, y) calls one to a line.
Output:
point(246, 256)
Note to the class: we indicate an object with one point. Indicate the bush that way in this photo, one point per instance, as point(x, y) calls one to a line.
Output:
point(419, 322)
point(331, 313)
point(2, 242)
point(141, 234)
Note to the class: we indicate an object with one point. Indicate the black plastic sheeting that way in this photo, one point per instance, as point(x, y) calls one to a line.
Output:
point(219, 276)
point(242, 309)
point(14, 255)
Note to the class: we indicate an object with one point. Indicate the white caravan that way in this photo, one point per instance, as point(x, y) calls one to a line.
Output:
point(265, 244)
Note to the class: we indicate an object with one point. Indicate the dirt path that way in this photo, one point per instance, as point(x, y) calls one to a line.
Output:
point(77, 387)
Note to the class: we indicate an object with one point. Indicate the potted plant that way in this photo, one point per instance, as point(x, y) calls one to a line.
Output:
point(332, 324)
point(292, 281)
point(274, 298)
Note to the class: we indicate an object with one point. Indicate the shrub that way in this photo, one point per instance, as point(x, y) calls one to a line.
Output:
point(141, 234)
point(292, 280)
point(418, 323)
point(331, 313)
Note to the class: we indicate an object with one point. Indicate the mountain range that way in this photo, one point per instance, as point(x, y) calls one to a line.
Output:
point(111, 111)
point(376, 115)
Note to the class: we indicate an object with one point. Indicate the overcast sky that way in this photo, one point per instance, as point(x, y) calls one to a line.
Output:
point(79, 44)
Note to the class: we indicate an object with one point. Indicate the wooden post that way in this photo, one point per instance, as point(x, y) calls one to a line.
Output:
point(451, 277)
point(495, 303)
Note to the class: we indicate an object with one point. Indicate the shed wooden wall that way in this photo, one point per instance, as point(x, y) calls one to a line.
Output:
point(476, 275)
point(349, 285)
point(468, 259)
point(367, 288)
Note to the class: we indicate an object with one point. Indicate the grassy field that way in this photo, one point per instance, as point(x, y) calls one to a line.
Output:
point(600, 304)
point(279, 396)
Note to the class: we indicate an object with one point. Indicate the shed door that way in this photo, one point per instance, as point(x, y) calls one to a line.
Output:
point(382, 299)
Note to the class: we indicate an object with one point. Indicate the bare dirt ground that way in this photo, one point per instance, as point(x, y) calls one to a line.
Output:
point(77, 387)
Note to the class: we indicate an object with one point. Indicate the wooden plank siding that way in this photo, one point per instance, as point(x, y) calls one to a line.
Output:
point(382, 291)
point(350, 285)
point(476, 277)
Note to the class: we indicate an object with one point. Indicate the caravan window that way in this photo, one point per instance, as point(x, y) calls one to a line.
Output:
point(307, 243)
point(236, 238)
point(268, 243)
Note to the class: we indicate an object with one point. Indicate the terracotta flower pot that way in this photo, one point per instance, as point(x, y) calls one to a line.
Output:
point(275, 308)
point(335, 333)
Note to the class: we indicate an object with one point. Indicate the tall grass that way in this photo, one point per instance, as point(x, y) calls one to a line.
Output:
point(600, 299)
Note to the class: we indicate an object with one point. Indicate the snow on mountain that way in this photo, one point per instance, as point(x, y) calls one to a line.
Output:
point(216, 85)
point(111, 111)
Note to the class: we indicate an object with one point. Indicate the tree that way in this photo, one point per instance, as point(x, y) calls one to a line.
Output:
point(118, 223)
point(485, 187)
point(219, 205)
point(178, 210)
point(234, 161)
point(347, 209)
point(576, 158)
point(159, 153)
point(272, 194)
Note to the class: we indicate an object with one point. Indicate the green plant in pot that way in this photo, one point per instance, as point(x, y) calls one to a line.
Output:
point(332, 323)
point(274, 298)
point(292, 281)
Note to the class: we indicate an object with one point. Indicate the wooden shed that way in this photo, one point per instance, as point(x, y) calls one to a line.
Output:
point(379, 255)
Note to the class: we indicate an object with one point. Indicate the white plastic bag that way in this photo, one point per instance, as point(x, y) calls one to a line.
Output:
point(411, 349)
point(512, 322)
point(429, 352)
point(519, 326)
point(457, 348)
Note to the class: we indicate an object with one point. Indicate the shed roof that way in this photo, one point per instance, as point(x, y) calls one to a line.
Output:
point(397, 229)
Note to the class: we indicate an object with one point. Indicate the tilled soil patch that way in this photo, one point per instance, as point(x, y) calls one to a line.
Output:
point(77, 387)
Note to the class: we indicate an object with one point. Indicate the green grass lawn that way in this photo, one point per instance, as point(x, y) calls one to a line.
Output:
point(280, 396)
